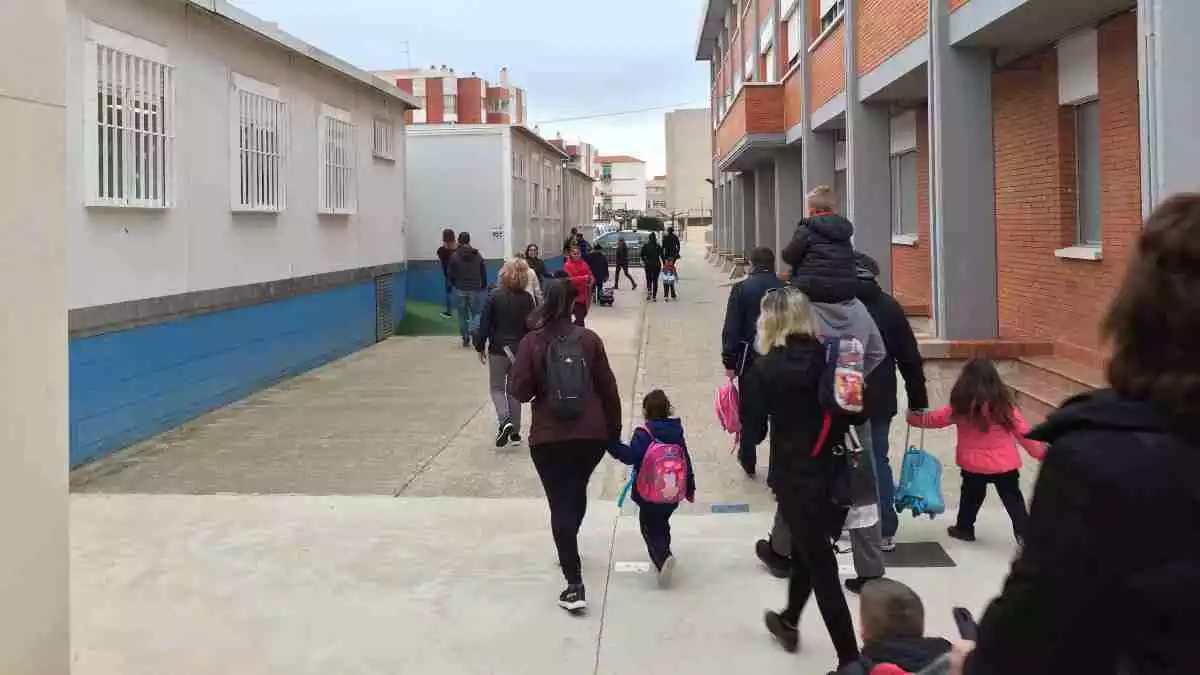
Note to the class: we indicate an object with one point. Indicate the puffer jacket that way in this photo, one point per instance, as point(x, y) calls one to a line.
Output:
point(665, 431)
point(821, 254)
point(991, 452)
point(504, 321)
point(467, 271)
point(1108, 579)
point(581, 277)
point(741, 318)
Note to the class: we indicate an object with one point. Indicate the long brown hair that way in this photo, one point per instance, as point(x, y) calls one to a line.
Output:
point(981, 398)
point(1154, 322)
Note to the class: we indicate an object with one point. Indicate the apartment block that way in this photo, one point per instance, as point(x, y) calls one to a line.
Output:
point(689, 153)
point(622, 185)
point(996, 156)
point(449, 97)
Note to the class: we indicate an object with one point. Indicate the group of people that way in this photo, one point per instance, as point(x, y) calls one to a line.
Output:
point(1119, 464)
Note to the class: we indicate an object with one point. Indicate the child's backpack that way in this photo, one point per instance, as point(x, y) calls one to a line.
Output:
point(727, 408)
point(920, 486)
point(844, 379)
point(568, 382)
point(662, 478)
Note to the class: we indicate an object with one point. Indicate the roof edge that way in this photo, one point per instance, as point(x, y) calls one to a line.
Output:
point(712, 20)
point(272, 32)
point(529, 133)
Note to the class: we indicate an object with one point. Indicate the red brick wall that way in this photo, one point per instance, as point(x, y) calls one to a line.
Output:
point(911, 283)
point(827, 68)
point(470, 100)
point(1041, 296)
point(791, 100)
point(496, 95)
point(884, 27)
point(406, 84)
point(733, 127)
point(955, 4)
point(434, 104)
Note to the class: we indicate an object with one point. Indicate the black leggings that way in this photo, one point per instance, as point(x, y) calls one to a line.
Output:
point(974, 490)
point(652, 281)
point(815, 572)
point(617, 276)
point(564, 469)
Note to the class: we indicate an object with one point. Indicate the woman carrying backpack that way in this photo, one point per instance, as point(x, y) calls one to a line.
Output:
point(808, 479)
point(564, 371)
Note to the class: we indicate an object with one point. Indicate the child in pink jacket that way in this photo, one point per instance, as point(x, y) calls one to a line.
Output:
point(989, 428)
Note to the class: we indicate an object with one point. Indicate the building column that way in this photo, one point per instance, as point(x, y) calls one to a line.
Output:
point(962, 183)
point(730, 218)
point(764, 207)
point(1170, 98)
point(747, 234)
point(789, 200)
point(818, 152)
point(34, 589)
point(868, 174)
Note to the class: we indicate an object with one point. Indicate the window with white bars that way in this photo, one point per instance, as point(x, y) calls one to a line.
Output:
point(831, 10)
point(130, 130)
point(450, 103)
point(259, 147)
point(383, 138)
point(338, 180)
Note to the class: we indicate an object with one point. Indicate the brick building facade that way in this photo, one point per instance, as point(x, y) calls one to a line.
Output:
point(997, 157)
point(448, 97)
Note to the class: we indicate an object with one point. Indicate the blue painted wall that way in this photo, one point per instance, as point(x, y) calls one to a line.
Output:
point(130, 385)
point(427, 284)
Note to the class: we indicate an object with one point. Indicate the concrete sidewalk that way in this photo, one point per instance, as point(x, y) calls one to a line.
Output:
point(358, 519)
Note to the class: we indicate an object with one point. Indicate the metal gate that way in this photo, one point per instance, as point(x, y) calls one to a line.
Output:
point(384, 325)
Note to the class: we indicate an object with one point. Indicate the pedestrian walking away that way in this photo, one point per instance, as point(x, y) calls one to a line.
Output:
point(782, 392)
point(989, 426)
point(444, 253)
point(670, 245)
point(652, 450)
point(622, 264)
point(503, 323)
point(652, 264)
point(740, 328)
point(670, 280)
point(597, 262)
point(1088, 592)
point(468, 276)
point(580, 274)
point(564, 371)
point(880, 403)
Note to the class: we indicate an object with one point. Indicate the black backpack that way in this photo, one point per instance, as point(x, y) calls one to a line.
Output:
point(568, 380)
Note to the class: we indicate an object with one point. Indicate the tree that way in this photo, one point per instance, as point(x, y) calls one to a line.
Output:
point(650, 223)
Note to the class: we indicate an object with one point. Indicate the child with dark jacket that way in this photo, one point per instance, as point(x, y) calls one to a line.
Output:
point(821, 252)
point(892, 622)
point(655, 518)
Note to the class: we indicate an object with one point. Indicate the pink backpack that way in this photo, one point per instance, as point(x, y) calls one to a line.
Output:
point(662, 478)
point(727, 408)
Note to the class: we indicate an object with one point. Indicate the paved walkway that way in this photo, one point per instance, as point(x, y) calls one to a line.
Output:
point(358, 520)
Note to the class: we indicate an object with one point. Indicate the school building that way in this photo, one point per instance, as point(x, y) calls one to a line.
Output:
point(235, 212)
point(996, 156)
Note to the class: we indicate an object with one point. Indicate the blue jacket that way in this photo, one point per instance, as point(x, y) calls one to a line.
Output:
point(666, 431)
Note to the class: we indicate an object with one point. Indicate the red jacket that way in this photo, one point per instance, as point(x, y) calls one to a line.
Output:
point(581, 277)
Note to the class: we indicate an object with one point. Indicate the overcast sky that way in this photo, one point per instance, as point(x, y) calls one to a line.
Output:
point(573, 58)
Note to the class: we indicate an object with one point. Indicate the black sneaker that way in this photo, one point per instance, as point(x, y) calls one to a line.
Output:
point(784, 633)
point(959, 533)
point(779, 566)
point(573, 599)
point(447, 315)
point(504, 434)
point(466, 342)
point(855, 585)
point(514, 439)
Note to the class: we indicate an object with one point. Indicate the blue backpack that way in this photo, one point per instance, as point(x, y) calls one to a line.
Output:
point(920, 487)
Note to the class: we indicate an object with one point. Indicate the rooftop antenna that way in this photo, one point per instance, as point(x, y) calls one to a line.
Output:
point(407, 54)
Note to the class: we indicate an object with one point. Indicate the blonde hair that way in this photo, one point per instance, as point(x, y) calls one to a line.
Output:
point(784, 312)
point(514, 275)
point(822, 198)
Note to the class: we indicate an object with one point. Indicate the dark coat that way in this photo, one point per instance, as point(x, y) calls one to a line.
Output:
point(504, 321)
point(599, 266)
point(879, 399)
point(538, 266)
point(910, 654)
point(666, 431)
point(1108, 580)
point(671, 246)
point(622, 253)
point(783, 388)
point(651, 255)
point(821, 254)
point(601, 420)
point(741, 318)
point(468, 272)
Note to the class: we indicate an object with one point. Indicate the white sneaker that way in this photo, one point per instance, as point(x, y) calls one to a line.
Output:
point(887, 544)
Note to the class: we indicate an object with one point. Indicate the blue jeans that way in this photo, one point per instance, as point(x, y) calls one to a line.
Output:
point(888, 520)
point(470, 305)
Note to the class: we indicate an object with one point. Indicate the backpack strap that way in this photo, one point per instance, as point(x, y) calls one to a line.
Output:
point(826, 422)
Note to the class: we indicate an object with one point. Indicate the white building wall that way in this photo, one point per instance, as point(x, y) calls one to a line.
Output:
point(689, 160)
point(458, 176)
point(118, 254)
point(538, 221)
point(628, 186)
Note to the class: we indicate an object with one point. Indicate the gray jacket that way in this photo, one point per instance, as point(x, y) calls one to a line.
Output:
point(851, 319)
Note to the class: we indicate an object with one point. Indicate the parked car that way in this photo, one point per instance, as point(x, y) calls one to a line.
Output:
point(634, 239)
